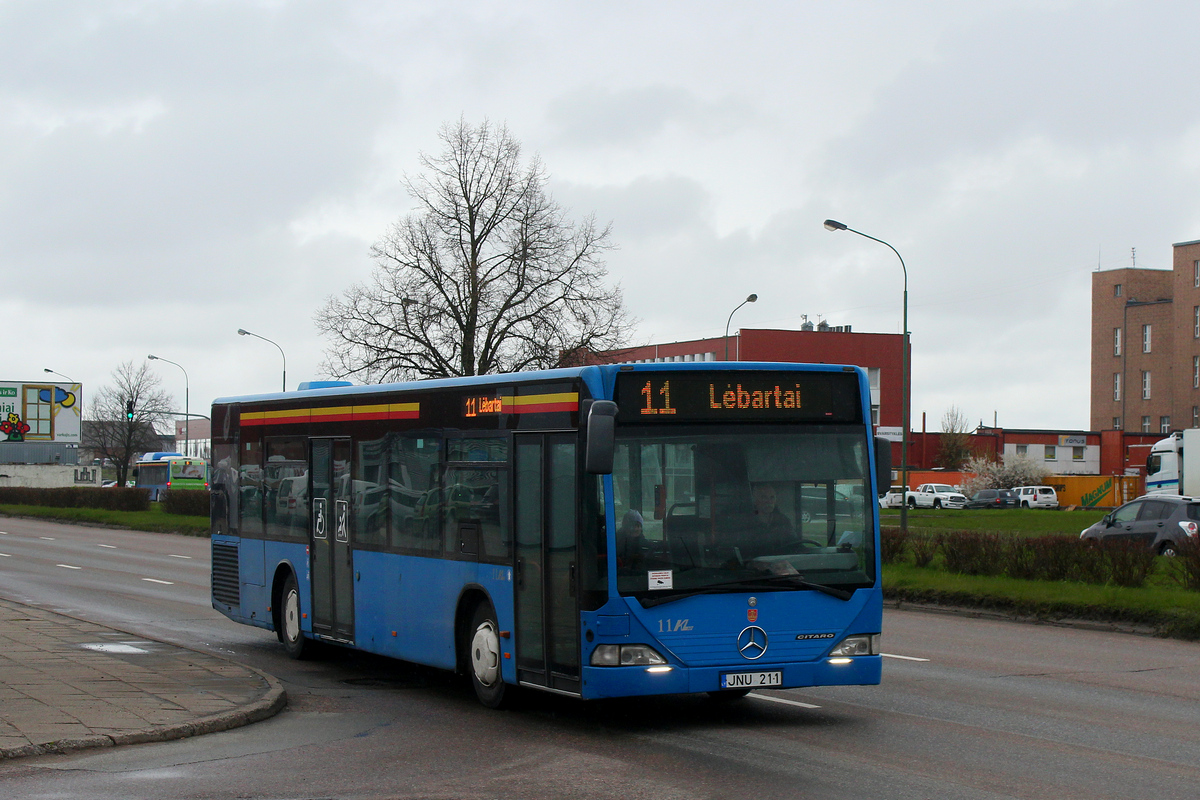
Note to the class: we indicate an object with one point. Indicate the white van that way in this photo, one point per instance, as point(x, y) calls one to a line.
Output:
point(1036, 496)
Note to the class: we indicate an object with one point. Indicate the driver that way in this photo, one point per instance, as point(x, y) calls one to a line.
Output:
point(772, 530)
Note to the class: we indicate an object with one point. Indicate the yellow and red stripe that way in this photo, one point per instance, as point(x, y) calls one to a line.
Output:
point(540, 403)
point(291, 416)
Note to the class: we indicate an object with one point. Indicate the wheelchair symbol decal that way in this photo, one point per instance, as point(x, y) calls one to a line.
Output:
point(319, 523)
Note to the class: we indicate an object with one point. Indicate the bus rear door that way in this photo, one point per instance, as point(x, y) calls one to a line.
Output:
point(330, 543)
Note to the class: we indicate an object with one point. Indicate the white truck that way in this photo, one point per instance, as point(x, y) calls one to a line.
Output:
point(1173, 466)
point(935, 495)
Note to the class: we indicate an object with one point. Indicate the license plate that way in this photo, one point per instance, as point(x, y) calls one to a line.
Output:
point(750, 680)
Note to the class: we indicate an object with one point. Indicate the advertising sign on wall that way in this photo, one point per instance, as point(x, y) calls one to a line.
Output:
point(40, 412)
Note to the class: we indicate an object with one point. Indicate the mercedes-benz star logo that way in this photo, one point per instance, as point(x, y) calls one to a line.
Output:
point(752, 642)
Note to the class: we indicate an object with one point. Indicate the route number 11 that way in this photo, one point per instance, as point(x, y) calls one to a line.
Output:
point(649, 393)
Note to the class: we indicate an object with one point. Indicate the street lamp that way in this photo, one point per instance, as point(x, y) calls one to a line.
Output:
point(752, 298)
point(59, 374)
point(834, 225)
point(242, 332)
point(186, 416)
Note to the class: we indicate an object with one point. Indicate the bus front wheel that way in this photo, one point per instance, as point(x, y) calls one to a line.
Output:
point(485, 657)
point(290, 634)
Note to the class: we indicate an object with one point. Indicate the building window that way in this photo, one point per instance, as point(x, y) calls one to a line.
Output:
point(1164, 424)
point(1145, 425)
point(1116, 341)
point(1117, 421)
point(1145, 384)
point(1077, 454)
point(1116, 387)
point(1117, 290)
point(1196, 416)
point(875, 416)
point(1145, 338)
point(1196, 274)
point(1022, 449)
point(1051, 453)
point(1196, 322)
point(1196, 372)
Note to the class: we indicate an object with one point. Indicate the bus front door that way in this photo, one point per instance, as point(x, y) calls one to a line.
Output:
point(547, 611)
point(330, 540)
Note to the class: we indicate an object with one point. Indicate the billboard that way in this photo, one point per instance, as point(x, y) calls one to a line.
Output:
point(40, 412)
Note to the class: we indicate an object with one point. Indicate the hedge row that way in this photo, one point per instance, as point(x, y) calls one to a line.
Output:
point(188, 502)
point(113, 499)
point(1048, 558)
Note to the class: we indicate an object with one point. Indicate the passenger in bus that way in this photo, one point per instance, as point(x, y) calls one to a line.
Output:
point(631, 544)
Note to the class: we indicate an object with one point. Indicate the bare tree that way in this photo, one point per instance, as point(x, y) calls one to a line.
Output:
point(487, 275)
point(111, 433)
point(955, 444)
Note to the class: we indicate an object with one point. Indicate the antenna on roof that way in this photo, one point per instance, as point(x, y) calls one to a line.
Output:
point(1133, 254)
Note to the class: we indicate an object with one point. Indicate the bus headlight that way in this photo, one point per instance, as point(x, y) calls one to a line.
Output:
point(864, 644)
point(625, 655)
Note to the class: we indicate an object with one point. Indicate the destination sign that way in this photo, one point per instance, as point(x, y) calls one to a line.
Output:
point(735, 396)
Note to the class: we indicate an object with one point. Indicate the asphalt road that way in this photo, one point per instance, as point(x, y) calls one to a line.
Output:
point(969, 708)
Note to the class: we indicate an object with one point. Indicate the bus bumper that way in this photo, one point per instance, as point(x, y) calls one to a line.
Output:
point(599, 682)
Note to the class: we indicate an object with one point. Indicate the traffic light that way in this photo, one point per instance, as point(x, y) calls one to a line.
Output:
point(129, 410)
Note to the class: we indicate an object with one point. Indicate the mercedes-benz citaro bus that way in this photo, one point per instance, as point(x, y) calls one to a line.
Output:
point(601, 531)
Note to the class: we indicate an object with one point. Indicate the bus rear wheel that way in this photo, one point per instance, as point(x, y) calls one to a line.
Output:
point(294, 643)
point(485, 657)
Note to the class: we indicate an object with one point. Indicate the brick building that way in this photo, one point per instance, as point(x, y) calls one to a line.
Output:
point(1146, 346)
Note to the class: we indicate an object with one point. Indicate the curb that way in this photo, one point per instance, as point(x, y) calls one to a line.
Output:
point(265, 707)
point(271, 703)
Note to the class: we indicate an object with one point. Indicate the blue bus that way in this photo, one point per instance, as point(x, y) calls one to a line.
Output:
point(601, 531)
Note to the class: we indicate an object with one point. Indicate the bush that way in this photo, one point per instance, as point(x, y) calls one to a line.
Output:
point(113, 499)
point(186, 502)
point(1129, 563)
point(1185, 567)
point(1055, 558)
point(924, 548)
point(973, 553)
point(892, 544)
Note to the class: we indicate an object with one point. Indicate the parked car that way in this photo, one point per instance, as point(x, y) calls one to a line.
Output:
point(935, 495)
point(1161, 522)
point(1036, 496)
point(993, 498)
point(892, 498)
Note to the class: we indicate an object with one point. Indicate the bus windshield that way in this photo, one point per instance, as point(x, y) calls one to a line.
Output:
point(708, 507)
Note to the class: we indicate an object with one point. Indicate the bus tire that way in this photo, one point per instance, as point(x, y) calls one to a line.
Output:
point(483, 655)
point(290, 634)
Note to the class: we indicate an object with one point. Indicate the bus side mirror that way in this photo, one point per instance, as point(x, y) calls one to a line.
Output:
point(883, 463)
point(601, 437)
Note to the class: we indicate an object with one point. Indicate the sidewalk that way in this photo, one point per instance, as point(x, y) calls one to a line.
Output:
point(67, 684)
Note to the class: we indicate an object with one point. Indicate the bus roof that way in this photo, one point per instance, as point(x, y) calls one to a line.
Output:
point(593, 375)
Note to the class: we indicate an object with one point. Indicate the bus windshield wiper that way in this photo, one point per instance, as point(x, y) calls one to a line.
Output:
point(764, 581)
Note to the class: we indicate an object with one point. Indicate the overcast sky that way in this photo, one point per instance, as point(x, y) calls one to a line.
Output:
point(173, 171)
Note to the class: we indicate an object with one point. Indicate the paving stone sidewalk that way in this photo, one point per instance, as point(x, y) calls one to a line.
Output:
point(66, 684)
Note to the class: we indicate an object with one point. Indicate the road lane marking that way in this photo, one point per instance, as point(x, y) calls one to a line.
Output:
point(156, 580)
point(903, 658)
point(67, 566)
point(5, 555)
point(175, 556)
point(781, 700)
point(47, 538)
point(109, 546)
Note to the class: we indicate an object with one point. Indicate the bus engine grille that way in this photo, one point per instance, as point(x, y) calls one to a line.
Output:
point(225, 580)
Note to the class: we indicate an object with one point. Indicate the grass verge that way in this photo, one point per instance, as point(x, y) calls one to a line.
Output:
point(1035, 522)
point(155, 520)
point(1161, 605)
